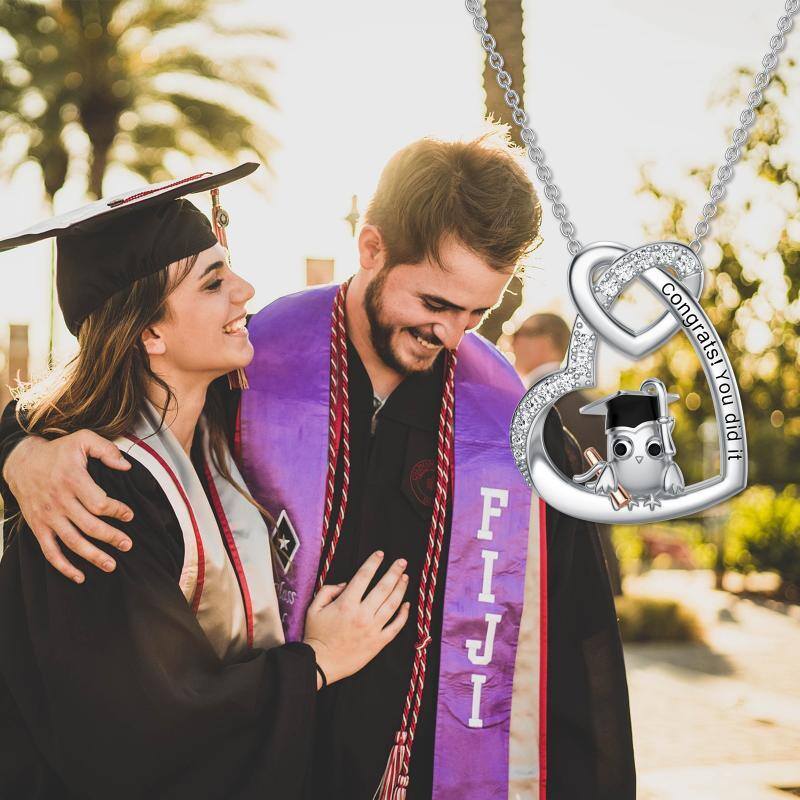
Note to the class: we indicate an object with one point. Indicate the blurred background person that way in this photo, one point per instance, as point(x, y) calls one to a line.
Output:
point(539, 345)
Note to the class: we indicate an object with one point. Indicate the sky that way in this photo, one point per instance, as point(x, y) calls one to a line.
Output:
point(610, 85)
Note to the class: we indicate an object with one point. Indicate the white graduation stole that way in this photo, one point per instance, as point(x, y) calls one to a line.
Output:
point(227, 574)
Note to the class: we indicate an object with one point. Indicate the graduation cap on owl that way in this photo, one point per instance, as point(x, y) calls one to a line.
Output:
point(640, 449)
point(629, 408)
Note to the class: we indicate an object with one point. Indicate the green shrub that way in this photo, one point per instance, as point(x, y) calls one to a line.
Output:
point(763, 533)
point(629, 547)
point(654, 619)
point(676, 543)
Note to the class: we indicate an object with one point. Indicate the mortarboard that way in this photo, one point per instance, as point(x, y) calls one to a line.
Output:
point(627, 409)
point(105, 246)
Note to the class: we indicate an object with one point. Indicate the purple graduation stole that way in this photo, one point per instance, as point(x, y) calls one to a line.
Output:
point(283, 446)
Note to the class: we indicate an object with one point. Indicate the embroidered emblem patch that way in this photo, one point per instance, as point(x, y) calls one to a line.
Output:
point(423, 481)
point(284, 540)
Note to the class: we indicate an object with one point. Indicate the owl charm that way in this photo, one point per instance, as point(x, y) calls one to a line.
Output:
point(639, 467)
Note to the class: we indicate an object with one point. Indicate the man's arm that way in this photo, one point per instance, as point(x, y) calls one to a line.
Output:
point(56, 495)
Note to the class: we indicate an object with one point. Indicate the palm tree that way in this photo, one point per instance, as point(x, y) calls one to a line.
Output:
point(122, 73)
point(505, 24)
point(505, 18)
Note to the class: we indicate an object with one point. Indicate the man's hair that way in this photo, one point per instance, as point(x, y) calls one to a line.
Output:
point(550, 325)
point(475, 191)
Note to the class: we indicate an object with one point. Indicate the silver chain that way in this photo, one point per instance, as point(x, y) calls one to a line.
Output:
point(545, 174)
point(528, 135)
point(746, 118)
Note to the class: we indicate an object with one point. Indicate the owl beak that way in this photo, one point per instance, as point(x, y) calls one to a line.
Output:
point(639, 459)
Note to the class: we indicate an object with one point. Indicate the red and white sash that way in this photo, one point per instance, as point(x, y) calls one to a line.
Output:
point(227, 574)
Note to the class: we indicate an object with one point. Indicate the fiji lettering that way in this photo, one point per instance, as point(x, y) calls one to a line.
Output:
point(481, 651)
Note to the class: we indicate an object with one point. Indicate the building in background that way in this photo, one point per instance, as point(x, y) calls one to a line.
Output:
point(319, 271)
point(17, 361)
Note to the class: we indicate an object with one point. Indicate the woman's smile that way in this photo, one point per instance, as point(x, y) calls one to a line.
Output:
point(237, 327)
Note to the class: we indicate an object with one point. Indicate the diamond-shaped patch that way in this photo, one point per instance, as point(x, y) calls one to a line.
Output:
point(284, 540)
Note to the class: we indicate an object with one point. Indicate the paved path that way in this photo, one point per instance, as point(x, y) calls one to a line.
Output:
point(719, 721)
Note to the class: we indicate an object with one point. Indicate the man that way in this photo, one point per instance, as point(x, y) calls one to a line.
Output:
point(372, 416)
point(539, 345)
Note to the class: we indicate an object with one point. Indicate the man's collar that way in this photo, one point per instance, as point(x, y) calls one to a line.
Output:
point(416, 400)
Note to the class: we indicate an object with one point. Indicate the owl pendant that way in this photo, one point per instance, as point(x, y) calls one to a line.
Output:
point(640, 454)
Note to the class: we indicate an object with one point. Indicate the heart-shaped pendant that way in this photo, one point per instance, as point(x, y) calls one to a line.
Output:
point(599, 500)
point(623, 265)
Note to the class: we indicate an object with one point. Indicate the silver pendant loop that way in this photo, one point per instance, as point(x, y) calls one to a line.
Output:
point(623, 266)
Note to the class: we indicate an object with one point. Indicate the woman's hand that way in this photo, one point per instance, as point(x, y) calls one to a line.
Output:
point(347, 631)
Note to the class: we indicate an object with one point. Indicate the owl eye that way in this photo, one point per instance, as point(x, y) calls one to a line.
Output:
point(654, 448)
point(622, 447)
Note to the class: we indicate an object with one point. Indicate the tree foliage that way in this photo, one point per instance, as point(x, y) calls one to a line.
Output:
point(124, 73)
point(752, 297)
point(764, 533)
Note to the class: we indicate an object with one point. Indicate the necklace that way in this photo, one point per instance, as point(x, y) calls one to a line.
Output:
point(394, 783)
point(639, 479)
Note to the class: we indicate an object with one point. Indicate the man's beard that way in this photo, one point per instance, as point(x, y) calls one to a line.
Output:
point(381, 333)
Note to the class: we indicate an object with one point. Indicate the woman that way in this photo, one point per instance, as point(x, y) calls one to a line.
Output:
point(169, 677)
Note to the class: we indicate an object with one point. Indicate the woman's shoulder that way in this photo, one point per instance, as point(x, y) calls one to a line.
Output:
point(154, 523)
point(137, 482)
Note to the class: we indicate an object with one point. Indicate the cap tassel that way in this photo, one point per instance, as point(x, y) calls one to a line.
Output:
point(394, 784)
point(237, 379)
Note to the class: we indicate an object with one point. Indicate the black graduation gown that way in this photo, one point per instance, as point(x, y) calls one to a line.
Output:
point(589, 739)
point(590, 751)
point(111, 689)
point(589, 743)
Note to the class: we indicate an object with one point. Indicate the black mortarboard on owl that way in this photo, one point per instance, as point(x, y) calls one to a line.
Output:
point(627, 409)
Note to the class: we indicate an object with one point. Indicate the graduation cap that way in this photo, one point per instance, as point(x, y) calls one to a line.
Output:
point(104, 247)
point(627, 409)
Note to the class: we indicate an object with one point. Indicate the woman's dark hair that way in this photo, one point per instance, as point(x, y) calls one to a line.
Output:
point(104, 387)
